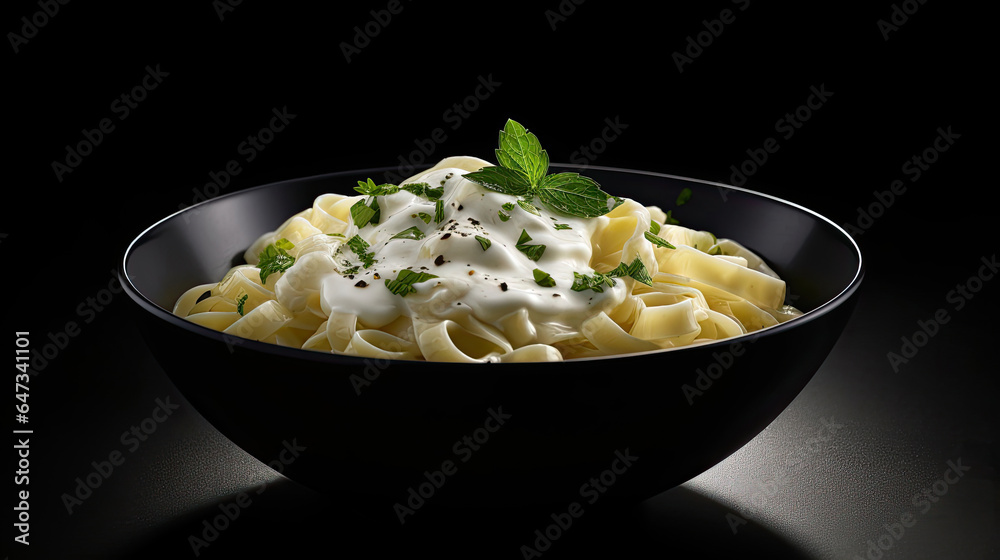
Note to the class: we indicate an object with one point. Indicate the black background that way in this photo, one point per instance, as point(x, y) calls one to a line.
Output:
point(563, 79)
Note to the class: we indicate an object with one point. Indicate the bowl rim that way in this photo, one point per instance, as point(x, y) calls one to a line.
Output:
point(290, 352)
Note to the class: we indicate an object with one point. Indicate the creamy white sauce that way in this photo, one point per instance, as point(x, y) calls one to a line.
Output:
point(470, 277)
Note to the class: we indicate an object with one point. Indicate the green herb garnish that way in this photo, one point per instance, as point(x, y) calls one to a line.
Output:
point(409, 233)
point(670, 219)
point(361, 213)
point(415, 188)
point(275, 258)
point(508, 206)
point(683, 197)
point(654, 227)
point(533, 252)
point(433, 193)
point(562, 226)
point(485, 243)
point(360, 248)
point(403, 284)
point(371, 189)
point(423, 216)
point(336, 234)
point(439, 211)
point(637, 271)
point(528, 206)
point(658, 241)
point(523, 172)
point(543, 278)
point(240, 302)
point(503, 217)
point(595, 282)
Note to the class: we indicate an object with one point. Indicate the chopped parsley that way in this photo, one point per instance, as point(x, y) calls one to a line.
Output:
point(439, 211)
point(360, 248)
point(433, 193)
point(528, 206)
point(595, 282)
point(403, 284)
point(503, 217)
point(409, 233)
point(275, 258)
point(508, 206)
point(533, 252)
point(543, 278)
point(658, 241)
point(362, 214)
point(240, 301)
point(485, 243)
point(562, 226)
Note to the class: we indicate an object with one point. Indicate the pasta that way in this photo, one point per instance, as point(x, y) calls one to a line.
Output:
point(441, 268)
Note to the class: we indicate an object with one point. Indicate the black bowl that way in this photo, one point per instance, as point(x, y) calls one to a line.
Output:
point(494, 434)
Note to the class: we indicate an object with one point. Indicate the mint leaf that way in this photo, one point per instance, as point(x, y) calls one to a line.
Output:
point(543, 278)
point(527, 206)
point(361, 213)
point(533, 252)
point(409, 233)
point(403, 284)
point(484, 242)
point(658, 241)
point(521, 151)
point(574, 194)
point(502, 180)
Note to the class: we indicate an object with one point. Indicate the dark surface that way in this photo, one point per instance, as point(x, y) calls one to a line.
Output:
point(837, 469)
